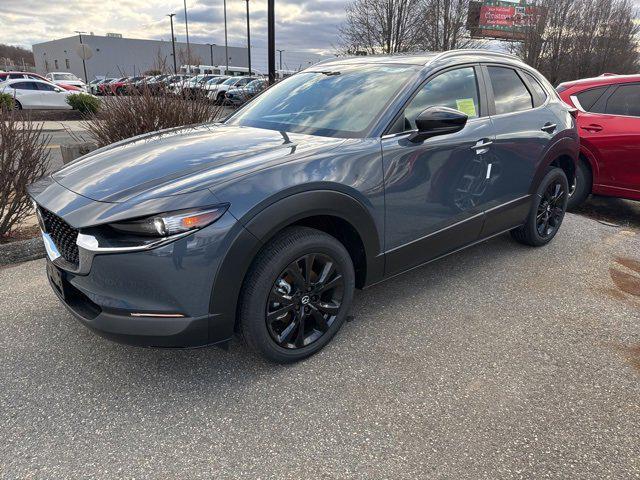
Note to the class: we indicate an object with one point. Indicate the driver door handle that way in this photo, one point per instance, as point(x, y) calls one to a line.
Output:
point(482, 146)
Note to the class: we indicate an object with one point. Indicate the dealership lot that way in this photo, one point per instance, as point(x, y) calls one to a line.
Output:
point(498, 362)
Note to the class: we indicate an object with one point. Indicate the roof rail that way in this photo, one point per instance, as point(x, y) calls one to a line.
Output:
point(477, 51)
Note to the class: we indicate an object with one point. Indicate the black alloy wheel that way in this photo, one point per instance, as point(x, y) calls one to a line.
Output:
point(551, 209)
point(296, 294)
point(548, 207)
point(304, 301)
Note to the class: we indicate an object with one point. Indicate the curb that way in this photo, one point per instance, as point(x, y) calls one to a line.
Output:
point(21, 251)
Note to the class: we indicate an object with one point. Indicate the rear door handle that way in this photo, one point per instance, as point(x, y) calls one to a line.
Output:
point(592, 128)
point(549, 127)
point(482, 146)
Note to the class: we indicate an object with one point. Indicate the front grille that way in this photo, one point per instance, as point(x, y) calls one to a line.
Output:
point(63, 235)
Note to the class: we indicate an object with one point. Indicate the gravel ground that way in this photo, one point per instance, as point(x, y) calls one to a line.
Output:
point(498, 362)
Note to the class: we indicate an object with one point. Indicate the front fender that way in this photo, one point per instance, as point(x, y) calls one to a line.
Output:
point(260, 225)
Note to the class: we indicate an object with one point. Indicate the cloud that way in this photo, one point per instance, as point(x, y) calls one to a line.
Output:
point(309, 25)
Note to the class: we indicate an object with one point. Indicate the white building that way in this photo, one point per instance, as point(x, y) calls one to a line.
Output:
point(113, 56)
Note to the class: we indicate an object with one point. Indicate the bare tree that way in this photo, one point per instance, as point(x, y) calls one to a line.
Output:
point(581, 38)
point(382, 26)
point(444, 26)
point(160, 63)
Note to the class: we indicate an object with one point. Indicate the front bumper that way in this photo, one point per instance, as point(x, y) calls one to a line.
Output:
point(161, 297)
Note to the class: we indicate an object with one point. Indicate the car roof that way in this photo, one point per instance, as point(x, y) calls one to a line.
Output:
point(421, 59)
point(606, 79)
point(20, 80)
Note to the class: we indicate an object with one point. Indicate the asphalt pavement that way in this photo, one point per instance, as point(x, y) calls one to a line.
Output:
point(501, 361)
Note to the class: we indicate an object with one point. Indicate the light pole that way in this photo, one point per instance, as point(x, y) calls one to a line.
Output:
point(248, 37)
point(84, 64)
point(186, 27)
point(211, 51)
point(271, 27)
point(280, 52)
point(173, 44)
point(226, 42)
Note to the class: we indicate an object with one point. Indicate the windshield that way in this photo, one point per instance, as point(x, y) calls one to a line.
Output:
point(65, 76)
point(231, 81)
point(216, 81)
point(342, 103)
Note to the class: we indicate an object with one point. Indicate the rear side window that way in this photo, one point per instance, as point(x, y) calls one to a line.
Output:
point(509, 92)
point(588, 98)
point(538, 91)
point(625, 101)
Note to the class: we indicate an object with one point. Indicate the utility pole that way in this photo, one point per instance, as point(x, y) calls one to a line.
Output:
point(280, 51)
point(271, 26)
point(248, 37)
point(211, 51)
point(226, 42)
point(173, 44)
point(186, 27)
point(84, 64)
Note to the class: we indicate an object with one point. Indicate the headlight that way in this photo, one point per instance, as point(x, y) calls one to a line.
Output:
point(173, 223)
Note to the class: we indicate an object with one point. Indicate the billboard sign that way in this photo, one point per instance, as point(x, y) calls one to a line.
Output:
point(504, 19)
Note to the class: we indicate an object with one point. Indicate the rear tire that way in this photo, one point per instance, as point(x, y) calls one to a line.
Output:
point(547, 211)
point(296, 295)
point(584, 181)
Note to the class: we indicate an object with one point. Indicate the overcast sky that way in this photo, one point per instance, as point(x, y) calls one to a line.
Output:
point(301, 25)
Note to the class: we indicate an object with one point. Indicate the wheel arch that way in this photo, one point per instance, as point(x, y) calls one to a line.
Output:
point(333, 212)
point(562, 154)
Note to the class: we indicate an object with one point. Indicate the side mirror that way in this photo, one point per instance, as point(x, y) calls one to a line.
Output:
point(436, 121)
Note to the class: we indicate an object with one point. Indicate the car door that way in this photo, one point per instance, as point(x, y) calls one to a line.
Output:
point(52, 97)
point(434, 188)
point(27, 94)
point(610, 130)
point(524, 129)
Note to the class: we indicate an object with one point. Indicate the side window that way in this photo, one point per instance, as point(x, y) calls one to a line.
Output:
point(45, 87)
point(538, 91)
point(625, 101)
point(24, 86)
point(455, 89)
point(588, 98)
point(16, 75)
point(509, 92)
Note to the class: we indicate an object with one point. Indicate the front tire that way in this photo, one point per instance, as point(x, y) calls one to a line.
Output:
point(296, 295)
point(547, 211)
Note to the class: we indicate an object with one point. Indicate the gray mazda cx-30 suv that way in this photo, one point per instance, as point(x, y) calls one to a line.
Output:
point(338, 177)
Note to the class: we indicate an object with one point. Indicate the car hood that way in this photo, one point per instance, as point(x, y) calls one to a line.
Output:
point(183, 160)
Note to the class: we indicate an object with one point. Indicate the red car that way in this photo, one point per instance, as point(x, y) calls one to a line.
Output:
point(609, 125)
point(13, 75)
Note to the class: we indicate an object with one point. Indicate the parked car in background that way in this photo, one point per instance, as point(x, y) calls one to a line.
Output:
point(217, 92)
point(212, 85)
point(17, 75)
point(65, 78)
point(238, 95)
point(31, 94)
point(94, 88)
point(609, 126)
point(193, 87)
point(348, 173)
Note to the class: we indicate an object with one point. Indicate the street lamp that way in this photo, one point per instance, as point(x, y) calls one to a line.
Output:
point(211, 51)
point(280, 51)
point(271, 34)
point(248, 37)
point(173, 44)
point(226, 42)
point(186, 27)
